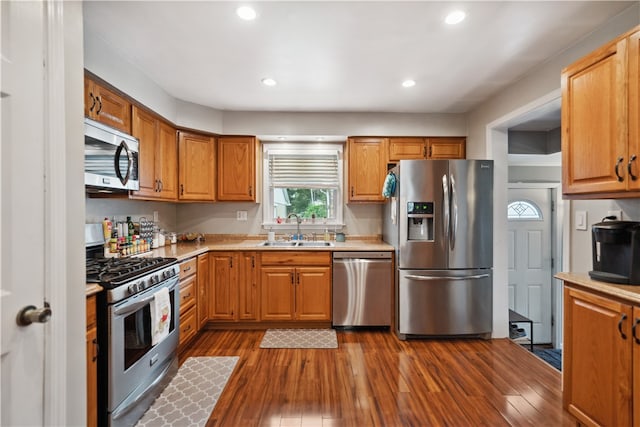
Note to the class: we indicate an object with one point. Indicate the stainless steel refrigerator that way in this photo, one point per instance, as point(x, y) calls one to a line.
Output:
point(440, 220)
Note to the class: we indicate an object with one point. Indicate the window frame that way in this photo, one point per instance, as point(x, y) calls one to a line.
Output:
point(268, 222)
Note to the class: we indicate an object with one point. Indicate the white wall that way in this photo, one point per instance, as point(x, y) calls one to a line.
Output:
point(538, 86)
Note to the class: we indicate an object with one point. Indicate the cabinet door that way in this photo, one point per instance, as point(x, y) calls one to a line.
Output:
point(636, 363)
point(277, 293)
point(236, 169)
point(633, 165)
point(597, 358)
point(594, 122)
point(446, 148)
point(188, 294)
point(248, 287)
point(145, 128)
point(196, 154)
point(313, 293)
point(367, 169)
point(92, 377)
point(203, 290)
point(224, 293)
point(167, 162)
point(407, 149)
point(106, 106)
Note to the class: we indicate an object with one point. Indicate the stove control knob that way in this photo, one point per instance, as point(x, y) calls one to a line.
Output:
point(133, 288)
point(154, 279)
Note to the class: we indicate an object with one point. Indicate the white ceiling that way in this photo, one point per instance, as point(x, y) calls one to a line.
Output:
point(341, 56)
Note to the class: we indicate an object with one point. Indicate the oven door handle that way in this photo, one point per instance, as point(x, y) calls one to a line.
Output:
point(135, 306)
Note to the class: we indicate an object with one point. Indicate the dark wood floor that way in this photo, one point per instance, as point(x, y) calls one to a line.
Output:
point(374, 379)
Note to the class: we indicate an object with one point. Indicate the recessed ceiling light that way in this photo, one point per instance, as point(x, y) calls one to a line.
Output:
point(282, 138)
point(267, 81)
point(247, 13)
point(320, 138)
point(408, 83)
point(455, 17)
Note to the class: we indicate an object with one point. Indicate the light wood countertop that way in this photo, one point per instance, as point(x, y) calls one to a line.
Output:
point(629, 293)
point(185, 250)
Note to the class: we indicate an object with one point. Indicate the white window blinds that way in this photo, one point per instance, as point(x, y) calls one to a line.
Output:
point(304, 170)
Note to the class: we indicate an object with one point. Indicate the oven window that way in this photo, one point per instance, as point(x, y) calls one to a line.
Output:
point(137, 333)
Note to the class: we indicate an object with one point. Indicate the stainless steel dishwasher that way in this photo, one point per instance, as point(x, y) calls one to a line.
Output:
point(362, 289)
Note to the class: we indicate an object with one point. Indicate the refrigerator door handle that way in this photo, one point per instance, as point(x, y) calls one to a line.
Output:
point(445, 207)
point(429, 278)
point(454, 213)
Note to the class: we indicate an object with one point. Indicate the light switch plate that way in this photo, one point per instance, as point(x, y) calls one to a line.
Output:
point(241, 215)
point(581, 220)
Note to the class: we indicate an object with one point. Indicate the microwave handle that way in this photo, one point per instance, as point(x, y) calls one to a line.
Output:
point(123, 146)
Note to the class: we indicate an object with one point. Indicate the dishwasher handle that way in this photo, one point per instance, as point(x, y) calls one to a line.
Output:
point(429, 278)
point(361, 255)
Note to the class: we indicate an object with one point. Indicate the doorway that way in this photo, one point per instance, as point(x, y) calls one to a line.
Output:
point(530, 258)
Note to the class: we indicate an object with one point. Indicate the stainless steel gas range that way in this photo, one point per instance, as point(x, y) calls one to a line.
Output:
point(131, 370)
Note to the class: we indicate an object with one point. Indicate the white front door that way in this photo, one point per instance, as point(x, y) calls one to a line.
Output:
point(22, 217)
point(530, 255)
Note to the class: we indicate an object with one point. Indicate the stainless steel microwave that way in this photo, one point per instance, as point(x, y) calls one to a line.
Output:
point(110, 158)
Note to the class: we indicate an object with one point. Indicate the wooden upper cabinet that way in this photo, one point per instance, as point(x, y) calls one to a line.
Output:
point(633, 169)
point(106, 106)
point(158, 158)
point(236, 168)
point(446, 148)
point(197, 177)
point(407, 149)
point(418, 148)
point(600, 122)
point(367, 169)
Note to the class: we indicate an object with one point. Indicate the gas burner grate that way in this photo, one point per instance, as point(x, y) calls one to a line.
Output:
point(113, 272)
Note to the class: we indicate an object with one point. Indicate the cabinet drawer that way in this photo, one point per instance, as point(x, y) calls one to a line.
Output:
point(91, 312)
point(187, 326)
point(187, 294)
point(188, 267)
point(295, 258)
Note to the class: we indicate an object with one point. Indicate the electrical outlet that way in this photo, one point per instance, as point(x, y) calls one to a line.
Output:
point(155, 216)
point(617, 214)
point(581, 220)
point(241, 215)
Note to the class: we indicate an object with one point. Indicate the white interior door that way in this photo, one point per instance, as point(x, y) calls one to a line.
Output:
point(22, 218)
point(529, 262)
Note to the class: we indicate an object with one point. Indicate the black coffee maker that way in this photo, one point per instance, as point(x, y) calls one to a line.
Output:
point(616, 252)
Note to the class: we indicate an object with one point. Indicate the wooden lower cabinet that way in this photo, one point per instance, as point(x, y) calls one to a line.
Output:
point(202, 306)
point(600, 388)
point(188, 300)
point(92, 363)
point(234, 291)
point(290, 291)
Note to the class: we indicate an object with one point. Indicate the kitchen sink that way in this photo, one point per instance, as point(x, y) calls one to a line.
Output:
point(306, 244)
point(293, 244)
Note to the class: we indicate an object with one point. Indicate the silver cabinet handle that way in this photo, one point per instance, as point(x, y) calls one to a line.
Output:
point(431, 278)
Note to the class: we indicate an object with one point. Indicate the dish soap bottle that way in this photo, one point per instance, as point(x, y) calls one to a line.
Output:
point(326, 235)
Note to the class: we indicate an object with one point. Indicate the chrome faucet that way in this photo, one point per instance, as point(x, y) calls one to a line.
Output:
point(298, 221)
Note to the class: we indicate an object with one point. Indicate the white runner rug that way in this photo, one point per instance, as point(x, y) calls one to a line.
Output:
point(192, 394)
point(299, 338)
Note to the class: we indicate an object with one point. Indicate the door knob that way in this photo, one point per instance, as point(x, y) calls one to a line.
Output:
point(30, 314)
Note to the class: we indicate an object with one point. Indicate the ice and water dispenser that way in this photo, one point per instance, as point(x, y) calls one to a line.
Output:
point(420, 221)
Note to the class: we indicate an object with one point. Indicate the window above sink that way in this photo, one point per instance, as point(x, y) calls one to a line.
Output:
point(305, 179)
